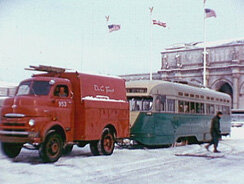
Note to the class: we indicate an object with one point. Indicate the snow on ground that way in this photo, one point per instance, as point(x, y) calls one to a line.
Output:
point(126, 166)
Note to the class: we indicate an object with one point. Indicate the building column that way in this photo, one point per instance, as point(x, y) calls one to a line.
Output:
point(207, 78)
point(178, 75)
point(164, 75)
point(236, 76)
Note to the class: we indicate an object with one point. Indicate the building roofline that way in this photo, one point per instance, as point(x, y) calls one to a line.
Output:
point(199, 48)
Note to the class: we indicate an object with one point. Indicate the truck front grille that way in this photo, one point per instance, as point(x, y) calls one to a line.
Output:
point(14, 127)
point(13, 124)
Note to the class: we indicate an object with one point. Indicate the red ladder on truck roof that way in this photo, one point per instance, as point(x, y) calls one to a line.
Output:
point(49, 69)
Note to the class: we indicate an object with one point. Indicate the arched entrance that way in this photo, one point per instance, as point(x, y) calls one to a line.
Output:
point(224, 87)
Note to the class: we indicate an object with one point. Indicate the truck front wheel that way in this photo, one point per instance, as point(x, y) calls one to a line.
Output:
point(11, 150)
point(107, 142)
point(51, 148)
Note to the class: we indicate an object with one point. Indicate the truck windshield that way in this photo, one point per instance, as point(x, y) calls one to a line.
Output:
point(33, 88)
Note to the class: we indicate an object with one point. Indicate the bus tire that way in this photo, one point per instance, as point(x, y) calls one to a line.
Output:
point(94, 148)
point(11, 150)
point(51, 148)
point(106, 144)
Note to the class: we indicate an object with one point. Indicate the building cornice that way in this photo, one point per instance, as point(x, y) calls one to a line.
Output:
point(201, 68)
point(201, 48)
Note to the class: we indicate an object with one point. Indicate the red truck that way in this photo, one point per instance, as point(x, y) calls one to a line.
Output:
point(57, 109)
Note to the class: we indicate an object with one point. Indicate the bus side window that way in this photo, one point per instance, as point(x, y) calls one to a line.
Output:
point(226, 110)
point(137, 105)
point(202, 108)
point(147, 104)
point(198, 109)
point(181, 106)
point(160, 103)
point(186, 107)
point(207, 109)
point(171, 105)
point(210, 109)
point(192, 107)
point(131, 102)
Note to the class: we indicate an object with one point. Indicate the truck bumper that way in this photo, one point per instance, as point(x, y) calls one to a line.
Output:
point(19, 137)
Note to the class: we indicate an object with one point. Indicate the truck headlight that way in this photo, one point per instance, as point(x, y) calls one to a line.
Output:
point(31, 122)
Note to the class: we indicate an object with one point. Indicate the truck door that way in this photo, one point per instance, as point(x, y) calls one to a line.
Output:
point(63, 105)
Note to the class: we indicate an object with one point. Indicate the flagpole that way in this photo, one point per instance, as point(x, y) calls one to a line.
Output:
point(107, 45)
point(151, 9)
point(204, 46)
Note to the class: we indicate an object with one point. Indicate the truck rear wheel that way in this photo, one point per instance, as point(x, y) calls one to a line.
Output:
point(107, 142)
point(11, 150)
point(94, 148)
point(51, 149)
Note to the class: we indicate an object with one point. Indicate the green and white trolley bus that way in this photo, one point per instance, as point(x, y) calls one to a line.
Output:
point(163, 113)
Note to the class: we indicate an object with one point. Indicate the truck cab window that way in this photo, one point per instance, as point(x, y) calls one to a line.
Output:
point(34, 88)
point(61, 91)
point(40, 88)
point(23, 88)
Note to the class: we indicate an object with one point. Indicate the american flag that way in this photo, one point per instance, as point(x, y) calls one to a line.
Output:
point(159, 23)
point(113, 27)
point(210, 13)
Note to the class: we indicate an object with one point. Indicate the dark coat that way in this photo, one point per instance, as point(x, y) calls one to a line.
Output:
point(215, 126)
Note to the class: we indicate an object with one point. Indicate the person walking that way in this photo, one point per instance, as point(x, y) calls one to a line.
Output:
point(215, 132)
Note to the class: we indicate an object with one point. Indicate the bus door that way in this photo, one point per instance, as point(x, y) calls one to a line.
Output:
point(163, 124)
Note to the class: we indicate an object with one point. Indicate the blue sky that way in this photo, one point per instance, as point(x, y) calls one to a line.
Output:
point(74, 33)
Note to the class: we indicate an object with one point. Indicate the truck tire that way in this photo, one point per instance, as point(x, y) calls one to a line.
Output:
point(51, 148)
point(11, 150)
point(106, 144)
point(94, 148)
point(67, 149)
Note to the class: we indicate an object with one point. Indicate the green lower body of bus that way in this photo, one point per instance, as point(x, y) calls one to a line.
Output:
point(154, 129)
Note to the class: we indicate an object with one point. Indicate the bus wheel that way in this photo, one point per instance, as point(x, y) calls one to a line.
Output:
point(107, 142)
point(94, 148)
point(11, 150)
point(67, 149)
point(51, 149)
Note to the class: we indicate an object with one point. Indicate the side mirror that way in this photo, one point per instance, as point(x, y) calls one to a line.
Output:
point(71, 94)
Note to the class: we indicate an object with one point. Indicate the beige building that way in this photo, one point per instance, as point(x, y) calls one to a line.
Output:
point(6, 90)
point(224, 69)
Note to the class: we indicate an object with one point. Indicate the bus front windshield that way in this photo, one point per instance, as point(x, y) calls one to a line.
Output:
point(33, 88)
point(140, 104)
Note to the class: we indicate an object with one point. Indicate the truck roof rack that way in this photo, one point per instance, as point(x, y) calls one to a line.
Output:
point(49, 69)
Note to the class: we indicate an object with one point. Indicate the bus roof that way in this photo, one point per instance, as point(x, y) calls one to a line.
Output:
point(149, 88)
